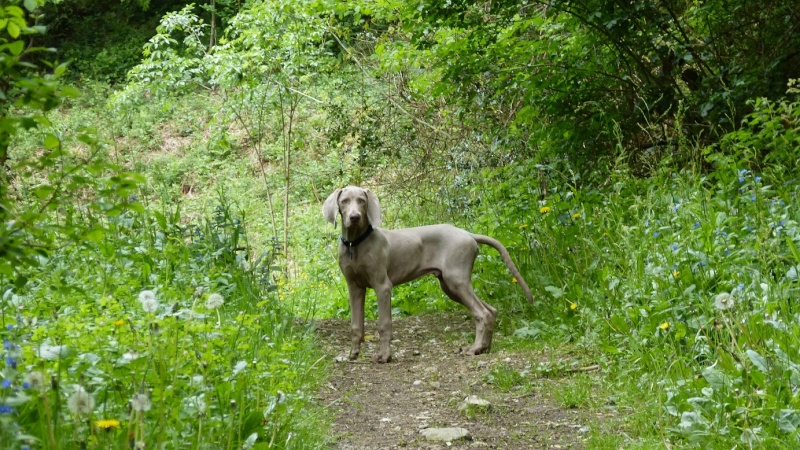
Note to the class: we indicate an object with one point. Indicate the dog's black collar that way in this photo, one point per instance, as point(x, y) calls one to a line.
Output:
point(358, 240)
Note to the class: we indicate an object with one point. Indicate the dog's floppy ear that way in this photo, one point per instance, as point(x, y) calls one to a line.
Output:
point(373, 209)
point(330, 208)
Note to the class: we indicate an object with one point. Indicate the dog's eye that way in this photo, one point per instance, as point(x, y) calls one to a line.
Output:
point(345, 201)
point(361, 201)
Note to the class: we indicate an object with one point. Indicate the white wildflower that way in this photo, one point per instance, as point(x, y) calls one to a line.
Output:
point(141, 402)
point(81, 402)
point(149, 301)
point(214, 301)
point(723, 301)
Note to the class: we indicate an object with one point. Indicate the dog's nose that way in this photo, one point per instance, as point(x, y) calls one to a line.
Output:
point(355, 218)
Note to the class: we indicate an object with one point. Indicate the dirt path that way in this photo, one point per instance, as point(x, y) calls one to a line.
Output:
point(386, 406)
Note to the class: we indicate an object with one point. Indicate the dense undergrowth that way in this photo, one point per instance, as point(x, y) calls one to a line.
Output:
point(157, 333)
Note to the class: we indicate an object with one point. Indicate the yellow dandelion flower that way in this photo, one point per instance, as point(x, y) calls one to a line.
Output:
point(545, 209)
point(664, 326)
point(576, 216)
point(523, 226)
point(107, 424)
point(675, 273)
point(119, 323)
point(514, 280)
point(573, 306)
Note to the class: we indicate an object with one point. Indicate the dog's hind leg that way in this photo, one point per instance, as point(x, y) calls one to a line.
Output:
point(458, 287)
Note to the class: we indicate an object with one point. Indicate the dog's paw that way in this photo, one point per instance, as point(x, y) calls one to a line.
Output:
point(381, 359)
point(472, 351)
point(353, 356)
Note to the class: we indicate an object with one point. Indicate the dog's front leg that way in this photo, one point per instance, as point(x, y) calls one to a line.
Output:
point(383, 292)
point(356, 294)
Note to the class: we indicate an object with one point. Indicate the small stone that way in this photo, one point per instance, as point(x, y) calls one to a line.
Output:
point(474, 401)
point(435, 384)
point(445, 434)
point(417, 383)
point(416, 353)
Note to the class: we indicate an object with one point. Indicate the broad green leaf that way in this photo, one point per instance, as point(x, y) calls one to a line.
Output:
point(15, 47)
point(30, 5)
point(554, 291)
point(13, 30)
point(716, 379)
point(51, 141)
point(758, 360)
point(788, 420)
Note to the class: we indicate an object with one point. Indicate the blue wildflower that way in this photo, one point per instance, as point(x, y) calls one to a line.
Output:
point(724, 234)
point(26, 385)
point(727, 252)
point(783, 203)
point(740, 287)
point(11, 362)
point(743, 172)
point(697, 224)
point(9, 327)
point(703, 263)
point(753, 198)
point(674, 247)
point(5, 384)
point(5, 409)
point(7, 345)
point(758, 179)
point(655, 234)
point(741, 179)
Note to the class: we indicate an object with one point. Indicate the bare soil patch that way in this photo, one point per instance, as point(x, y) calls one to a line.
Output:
point(384, 406)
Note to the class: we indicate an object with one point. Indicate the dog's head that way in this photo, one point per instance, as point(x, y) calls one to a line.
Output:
point(357, 206)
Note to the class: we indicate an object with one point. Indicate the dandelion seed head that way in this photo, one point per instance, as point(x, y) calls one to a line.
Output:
point(723, 301)
point(150, 305)
point(35, 380)
point(141, 402)
point(147, 295)
point(214, 301)
point(81, 402)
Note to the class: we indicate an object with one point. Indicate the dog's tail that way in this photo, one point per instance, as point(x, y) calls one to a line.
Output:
point(481, 239)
